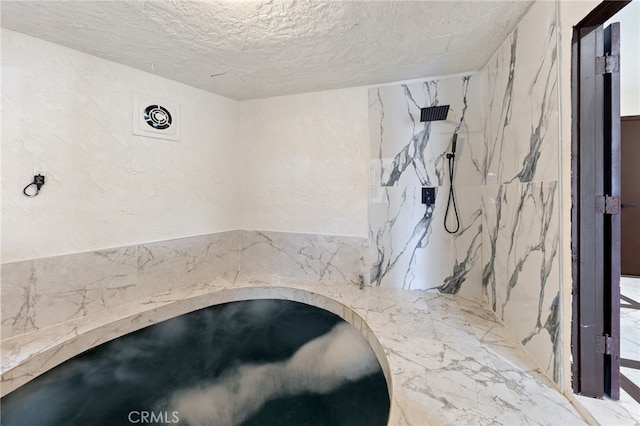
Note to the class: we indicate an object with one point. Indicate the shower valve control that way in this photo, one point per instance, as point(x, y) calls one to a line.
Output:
point(428, 196)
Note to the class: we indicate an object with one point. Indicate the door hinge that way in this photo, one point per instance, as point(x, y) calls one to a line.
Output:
point(608, 204)
point(607, 345)
point(607, 64)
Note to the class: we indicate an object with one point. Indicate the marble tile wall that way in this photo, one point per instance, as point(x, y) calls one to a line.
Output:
point(519, 166)
point(411, 248)
point(305, 256)
point(43, 292)
point(505, 181)
point(521, 277)
point(448, 360)
point(165, 265)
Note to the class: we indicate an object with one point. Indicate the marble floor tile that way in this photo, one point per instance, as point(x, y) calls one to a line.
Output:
point(607, 412)
point(630, 335)
point(448, 360)
point(626, 411)
point(630, 287)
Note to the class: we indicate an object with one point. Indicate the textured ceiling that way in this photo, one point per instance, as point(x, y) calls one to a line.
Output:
point(255, 49)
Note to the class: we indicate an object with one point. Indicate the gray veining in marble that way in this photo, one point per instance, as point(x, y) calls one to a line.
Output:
point(278, 254)
point(43, 292)
point(343, 259)
point(506, 183)
point(449, 360)
point(176, 263)
point(520, 207)
point(521, 123)
point(521, 275)
point(410, 248)
point(307, 256)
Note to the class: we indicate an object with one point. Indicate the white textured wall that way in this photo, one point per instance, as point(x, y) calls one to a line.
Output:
point(295, 163)
point(629, 17)
point(306, 163)
point(68, 114)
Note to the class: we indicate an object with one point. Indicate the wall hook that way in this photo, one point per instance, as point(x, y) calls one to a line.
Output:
point(38, 181)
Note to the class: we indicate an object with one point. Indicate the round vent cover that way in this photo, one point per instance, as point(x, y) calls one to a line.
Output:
point(157, 117)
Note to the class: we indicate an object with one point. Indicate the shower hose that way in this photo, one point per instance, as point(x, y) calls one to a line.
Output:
point(452, 199)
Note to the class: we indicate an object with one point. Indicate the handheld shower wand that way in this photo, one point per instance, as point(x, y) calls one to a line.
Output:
point(452, 199)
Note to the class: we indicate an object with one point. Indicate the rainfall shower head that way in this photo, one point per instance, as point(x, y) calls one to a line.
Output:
point(434, 113)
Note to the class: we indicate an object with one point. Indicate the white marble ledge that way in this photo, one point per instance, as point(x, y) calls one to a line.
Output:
point(608, 412)
point(447, 360)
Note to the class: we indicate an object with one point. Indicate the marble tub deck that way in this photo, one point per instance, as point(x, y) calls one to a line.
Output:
point(447, 359)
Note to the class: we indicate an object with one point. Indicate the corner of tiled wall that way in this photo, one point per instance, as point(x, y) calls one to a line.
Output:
point(305, 256)
point(43, 292)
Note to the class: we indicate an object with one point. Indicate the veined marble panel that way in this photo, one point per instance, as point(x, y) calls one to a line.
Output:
point(278, 253)
point(521, 277)
point(343, 259)
point(447, 359)
point(170, 264)
point(410, 252)
point(409, 245)
point(43, 292)
point(411, 248)
point(521, 209)
point(521, 120)
point(465, 274)
point(304, 256)
point(407, 152)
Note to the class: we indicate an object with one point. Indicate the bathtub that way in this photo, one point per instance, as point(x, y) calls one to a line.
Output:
point(445, 359)
point(250, 362)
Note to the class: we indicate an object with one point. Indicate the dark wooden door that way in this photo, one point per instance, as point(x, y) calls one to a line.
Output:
point(612, 191)
point(630, 244)
point(589, 362)
point(596, 232)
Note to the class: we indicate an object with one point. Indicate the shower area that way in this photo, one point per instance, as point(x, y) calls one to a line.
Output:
point(413, 248)
point(255, 362)
point(505, 123)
